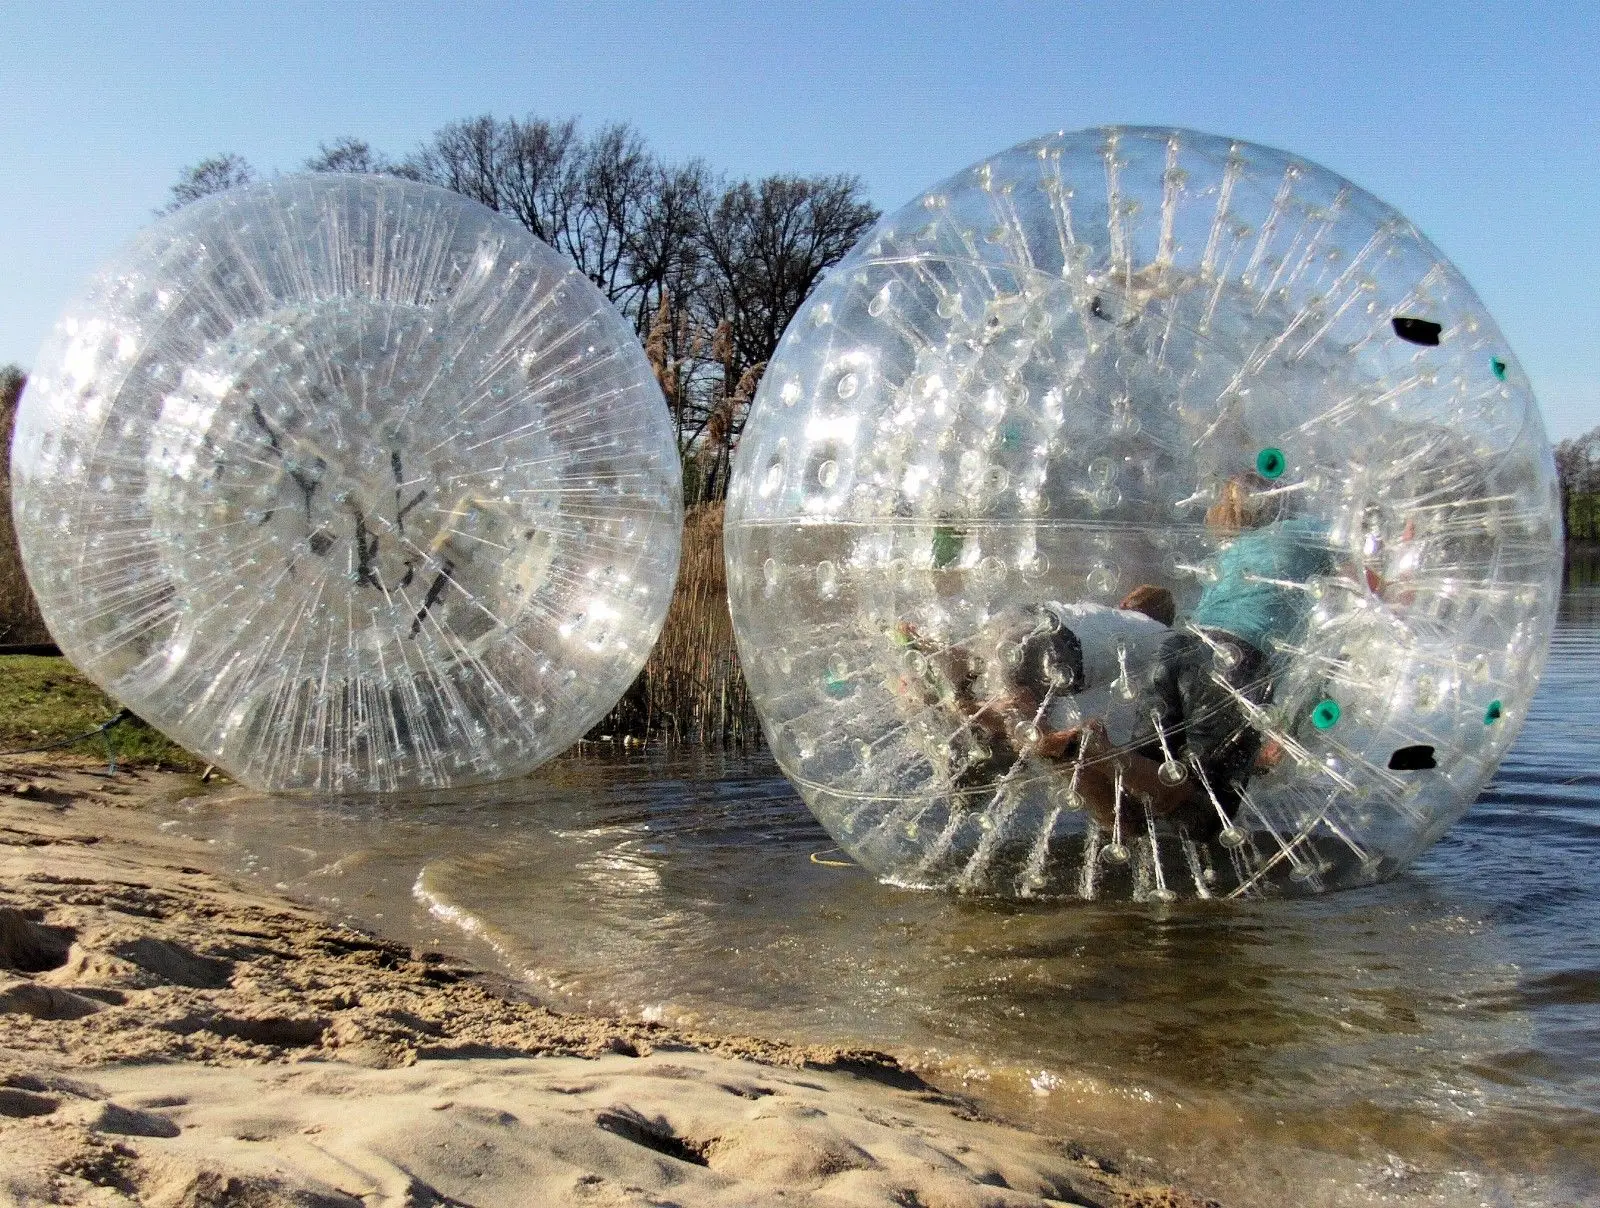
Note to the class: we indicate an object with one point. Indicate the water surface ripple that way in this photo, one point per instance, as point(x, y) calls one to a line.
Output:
point(1434, 1040)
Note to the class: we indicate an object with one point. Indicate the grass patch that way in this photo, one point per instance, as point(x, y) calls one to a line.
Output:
point(45, 700)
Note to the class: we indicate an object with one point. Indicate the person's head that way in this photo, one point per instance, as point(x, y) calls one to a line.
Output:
point(1048, 658)
point(1239, 505)
point(1026, 658)
point(1154, 602)
point(1035, 658)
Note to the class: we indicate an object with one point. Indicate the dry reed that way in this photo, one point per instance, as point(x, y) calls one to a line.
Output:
point(691, 690)
point(20, 619)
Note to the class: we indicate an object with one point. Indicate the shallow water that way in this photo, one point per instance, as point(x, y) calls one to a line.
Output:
point(1435, 1040)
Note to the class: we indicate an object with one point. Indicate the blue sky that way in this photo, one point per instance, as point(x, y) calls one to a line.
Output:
point(1480, 121)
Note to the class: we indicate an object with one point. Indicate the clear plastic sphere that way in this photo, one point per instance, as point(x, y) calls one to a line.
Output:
point(1142, 513)
point(349, 484)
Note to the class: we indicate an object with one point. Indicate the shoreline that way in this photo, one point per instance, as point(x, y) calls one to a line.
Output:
point(169, 1035)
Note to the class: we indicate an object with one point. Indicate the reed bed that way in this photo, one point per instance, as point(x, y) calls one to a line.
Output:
point(20, 620)
point(692, 689)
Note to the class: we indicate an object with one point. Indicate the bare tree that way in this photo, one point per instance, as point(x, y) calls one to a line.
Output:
point(211, 175)
point(466, 157)
point(617, 175)
point(764, 248)
point(541, 170)
point(666, 268)
point(349, 154)
point(767, 245)
point(664, 255)
point(584, 197)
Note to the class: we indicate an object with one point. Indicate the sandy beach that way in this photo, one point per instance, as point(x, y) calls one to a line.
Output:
point(169, 1037)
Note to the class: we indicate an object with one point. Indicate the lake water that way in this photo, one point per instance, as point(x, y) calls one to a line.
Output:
point(1434, 1040)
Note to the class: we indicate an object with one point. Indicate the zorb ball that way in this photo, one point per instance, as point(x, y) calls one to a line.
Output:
point(349, 484)
point(1142, 514)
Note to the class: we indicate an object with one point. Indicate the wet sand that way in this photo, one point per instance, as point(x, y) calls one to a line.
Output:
point(170, 1037)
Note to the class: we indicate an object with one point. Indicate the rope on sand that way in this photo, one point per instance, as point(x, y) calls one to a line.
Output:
point(819, 857)
point(121, 716)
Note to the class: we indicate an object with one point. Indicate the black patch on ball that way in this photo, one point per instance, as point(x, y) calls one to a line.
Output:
point(1417, 331)
point(1413, 759)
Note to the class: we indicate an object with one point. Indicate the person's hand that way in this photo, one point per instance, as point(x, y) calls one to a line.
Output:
point(1085, 742)
point(1270, 755)
point(998, 714)
point(1053, 744)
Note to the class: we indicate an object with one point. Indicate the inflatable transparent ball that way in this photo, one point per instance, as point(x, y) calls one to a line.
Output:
point(1142, 514)
point(349, 484)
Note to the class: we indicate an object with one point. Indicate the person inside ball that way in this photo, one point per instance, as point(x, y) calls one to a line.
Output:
point(1029, 681)
point(1198, 739)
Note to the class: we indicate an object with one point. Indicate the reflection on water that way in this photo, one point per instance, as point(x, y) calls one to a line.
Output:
point(1432, 1040)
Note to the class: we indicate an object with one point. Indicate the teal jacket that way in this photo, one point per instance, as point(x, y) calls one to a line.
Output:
point(1290, 551)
